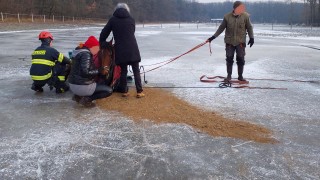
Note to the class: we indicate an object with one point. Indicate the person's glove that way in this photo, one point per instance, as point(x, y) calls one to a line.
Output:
point(211, 38)
point(103, 45)
point(103, 70)
point(251, 42)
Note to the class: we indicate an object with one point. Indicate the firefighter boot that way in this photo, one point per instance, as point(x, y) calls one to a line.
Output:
point(229, 71)
point(240, 72)
point(36, 88)
point(62, 87)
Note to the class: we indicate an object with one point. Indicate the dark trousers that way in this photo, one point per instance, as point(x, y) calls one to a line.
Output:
point(59, 73)
point(240, 50)
point(101, 91)
point(123, 78)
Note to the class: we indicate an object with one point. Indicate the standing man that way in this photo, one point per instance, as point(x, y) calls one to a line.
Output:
point(236, 24)
point(126, 48)
point(49, 66)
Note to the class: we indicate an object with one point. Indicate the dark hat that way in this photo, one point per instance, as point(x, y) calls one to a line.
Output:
point(236, 4)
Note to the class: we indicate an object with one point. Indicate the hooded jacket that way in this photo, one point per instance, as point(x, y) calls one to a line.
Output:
point(236, 28)
point(83, 70)
point(122, 26)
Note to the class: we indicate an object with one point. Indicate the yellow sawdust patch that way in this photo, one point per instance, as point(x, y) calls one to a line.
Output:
point(161, 106)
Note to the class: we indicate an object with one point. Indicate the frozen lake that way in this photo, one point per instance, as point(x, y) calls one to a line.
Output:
point(49, 136)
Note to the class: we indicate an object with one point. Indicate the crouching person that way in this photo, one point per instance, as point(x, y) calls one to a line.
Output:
point(49, 66)
point(83, 73)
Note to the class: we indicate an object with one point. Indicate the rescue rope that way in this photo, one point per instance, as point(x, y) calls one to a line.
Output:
point(157, 63)
point(163, 63)
point(239, 84)
point(223, 83)
point(311, 47)
point(284, 80)
point(144, 74)
point(206, 87)
point(173, 59)
point(212, 79)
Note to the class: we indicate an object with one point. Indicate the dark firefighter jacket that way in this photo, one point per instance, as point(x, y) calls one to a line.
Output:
point(83, 70)
point(236, 28)
point(43, 60)
point(122, 26)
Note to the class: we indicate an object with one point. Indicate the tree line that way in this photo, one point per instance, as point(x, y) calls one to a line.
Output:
point(304, 12)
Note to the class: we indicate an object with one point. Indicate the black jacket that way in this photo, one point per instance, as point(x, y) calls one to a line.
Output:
point(83, 70)
point(123, 27)
point(43, 60)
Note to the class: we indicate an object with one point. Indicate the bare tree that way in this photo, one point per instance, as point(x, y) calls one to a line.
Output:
point(169, 10)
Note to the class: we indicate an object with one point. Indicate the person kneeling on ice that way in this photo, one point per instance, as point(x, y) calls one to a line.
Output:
point(236, 23)
point(49, 66)
point(83, 73)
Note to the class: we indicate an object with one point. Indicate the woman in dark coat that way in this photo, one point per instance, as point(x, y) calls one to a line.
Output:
point(127, 52)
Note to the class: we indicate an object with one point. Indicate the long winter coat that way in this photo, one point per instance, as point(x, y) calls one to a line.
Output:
point(122, 26)
point(236, 28)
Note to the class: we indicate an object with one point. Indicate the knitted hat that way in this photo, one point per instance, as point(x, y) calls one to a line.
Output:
point(91, 42)
point(236, 4)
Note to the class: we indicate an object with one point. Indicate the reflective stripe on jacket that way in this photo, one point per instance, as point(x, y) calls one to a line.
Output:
point(43, 60)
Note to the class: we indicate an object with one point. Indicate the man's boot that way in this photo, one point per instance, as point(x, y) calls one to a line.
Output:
point(36, 88)
point(62, 87)
point(240, 72)
point(229, 71)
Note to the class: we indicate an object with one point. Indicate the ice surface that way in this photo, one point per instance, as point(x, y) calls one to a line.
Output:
point(48, 136)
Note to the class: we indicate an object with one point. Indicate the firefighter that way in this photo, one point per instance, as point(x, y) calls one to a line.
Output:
point(49, 66)
point(236, 24)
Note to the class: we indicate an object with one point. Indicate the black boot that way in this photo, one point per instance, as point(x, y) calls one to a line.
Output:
point(229, 71)
point(240, 72)
point(76, 98)
point(36, 88)
point(86, 102)
point(62, 87)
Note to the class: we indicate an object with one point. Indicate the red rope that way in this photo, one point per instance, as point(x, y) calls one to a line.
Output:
point(175, 58)
point(283, 80)
point(216, 79)
point(231, 83)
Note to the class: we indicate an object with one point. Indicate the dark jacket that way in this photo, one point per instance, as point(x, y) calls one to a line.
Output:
point(236, 28)
point(83, 70)
point(43, 60)
point(123, 27)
